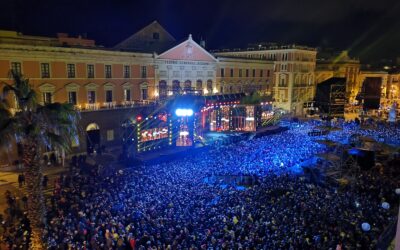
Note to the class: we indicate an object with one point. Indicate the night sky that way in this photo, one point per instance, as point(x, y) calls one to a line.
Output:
point(370, 29)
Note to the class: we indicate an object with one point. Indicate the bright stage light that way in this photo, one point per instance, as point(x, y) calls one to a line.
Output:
point(184, 112)
point(184, 133)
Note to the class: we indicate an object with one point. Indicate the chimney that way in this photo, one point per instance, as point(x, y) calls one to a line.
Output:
point(202, 43)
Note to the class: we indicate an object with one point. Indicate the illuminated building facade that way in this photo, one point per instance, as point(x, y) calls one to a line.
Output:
point(339, 65)
point(293, 72)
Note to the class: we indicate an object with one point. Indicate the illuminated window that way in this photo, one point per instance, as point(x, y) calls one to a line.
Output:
point(47, 97)
point(71, 70)
point(254, 73)
point(108, 71)
point(110, 135)
point(199, 85)
point(91, 96)
point(127, 95)
point(16, 67)
point(45, 70)
point(144, 71)
point(72, 99)
point(240, 72)
point(90, 71)
point(127, 72)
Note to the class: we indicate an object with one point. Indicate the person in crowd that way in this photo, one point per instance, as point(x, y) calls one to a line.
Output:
point(21, 180)
point(45, 180)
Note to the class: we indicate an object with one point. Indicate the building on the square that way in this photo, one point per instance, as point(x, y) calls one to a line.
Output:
point(339, 64)
point(293, 81)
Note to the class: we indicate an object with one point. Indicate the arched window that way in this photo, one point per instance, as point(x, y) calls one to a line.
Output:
point(92, 126)
point(209, 86)
point(199, 85)
point(176, 87)
point(188, 85)
point(162, 88)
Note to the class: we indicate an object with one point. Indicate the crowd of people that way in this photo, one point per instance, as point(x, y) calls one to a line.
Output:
point(170, 206)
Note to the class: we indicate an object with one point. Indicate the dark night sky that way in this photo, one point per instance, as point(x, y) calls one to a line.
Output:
point(368, 28)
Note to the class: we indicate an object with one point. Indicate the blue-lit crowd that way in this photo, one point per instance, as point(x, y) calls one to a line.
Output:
point(170, 206)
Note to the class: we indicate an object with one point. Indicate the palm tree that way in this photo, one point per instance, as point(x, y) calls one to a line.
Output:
point(35, 127)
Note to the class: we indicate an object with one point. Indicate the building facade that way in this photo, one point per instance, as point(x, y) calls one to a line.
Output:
point(339, 65)
point(293, 72)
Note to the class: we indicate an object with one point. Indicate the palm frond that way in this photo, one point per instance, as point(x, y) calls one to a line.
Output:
point(60, 124)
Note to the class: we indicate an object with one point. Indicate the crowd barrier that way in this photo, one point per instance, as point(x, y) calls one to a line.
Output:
point(318, 133)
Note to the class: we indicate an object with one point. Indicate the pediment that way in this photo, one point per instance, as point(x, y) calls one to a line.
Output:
point(188, 50)
point(72, 86)
point(91, 86)
point(47, 87)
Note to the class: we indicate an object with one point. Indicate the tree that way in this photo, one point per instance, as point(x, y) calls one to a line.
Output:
point(35, 127)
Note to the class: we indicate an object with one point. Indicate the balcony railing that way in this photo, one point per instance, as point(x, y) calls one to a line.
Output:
point(110, 105)
point(113, 105)
point(92, 106)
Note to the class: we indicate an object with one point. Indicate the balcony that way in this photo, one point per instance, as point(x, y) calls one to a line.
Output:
point(92, 106)
point(109, 105)
point(113, 105)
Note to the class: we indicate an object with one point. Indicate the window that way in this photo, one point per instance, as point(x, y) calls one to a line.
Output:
point(127, 71)
point(110, 135)
point(199, 85)
point(156, 35)
point(127, 95)
point(45, 70)
point(261, 73)
point(144, 94)
point(47, 97)
point(267, 73)
point(247, 72)
point(254, 73)
point(144, 71)
point(240, 72)
point(90, 71)
point(71, 70)
point(282, 82)
point(91, 96)
point(231, 72)
point(72, 97)
point(108, 71)
point(222, 72)
point(109, 96)
point(16, 67)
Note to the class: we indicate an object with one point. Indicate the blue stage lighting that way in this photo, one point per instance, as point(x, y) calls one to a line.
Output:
point(184, 112)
